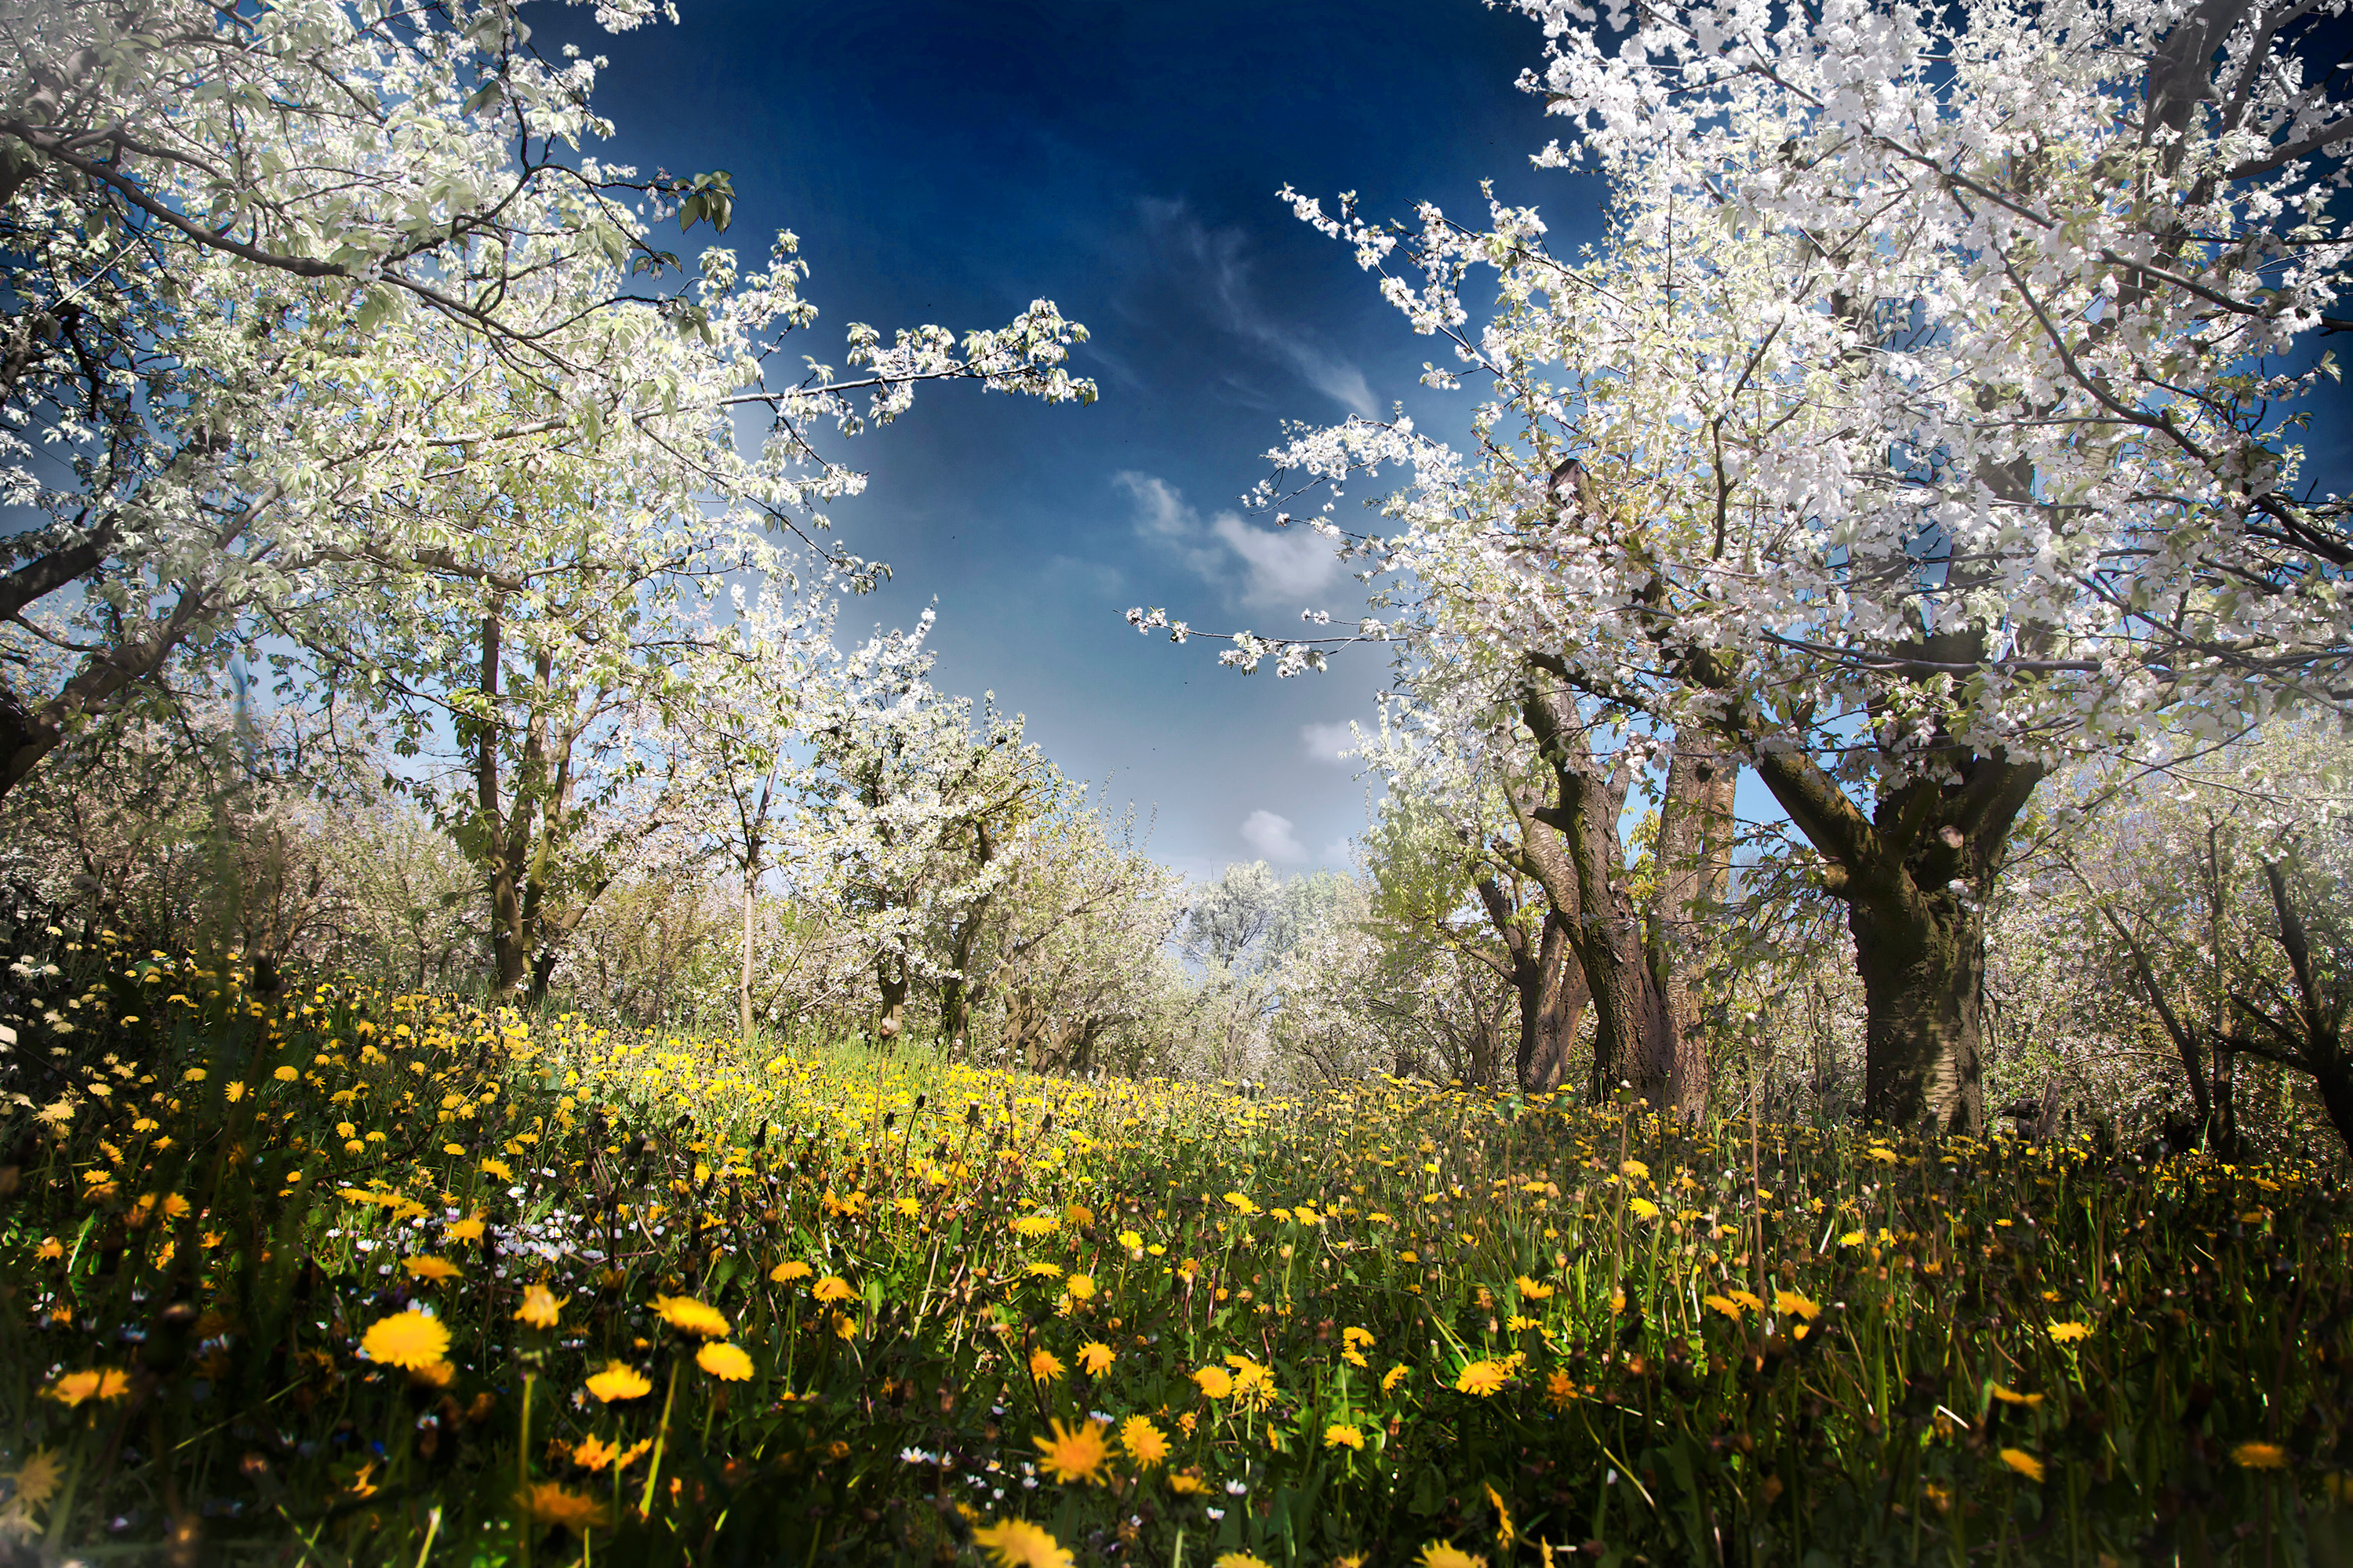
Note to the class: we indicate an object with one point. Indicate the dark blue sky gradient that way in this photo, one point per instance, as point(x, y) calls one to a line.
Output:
point(949, 162)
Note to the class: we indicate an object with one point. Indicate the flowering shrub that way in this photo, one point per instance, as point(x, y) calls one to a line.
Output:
point(384, 1277)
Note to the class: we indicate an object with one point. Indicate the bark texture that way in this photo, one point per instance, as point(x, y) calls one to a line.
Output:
point(1694, 871)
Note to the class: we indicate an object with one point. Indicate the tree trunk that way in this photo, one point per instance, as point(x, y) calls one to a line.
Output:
point(1581, 868)
point(1552, 995)
point(744, 982)
point(1921, 958)
point(1694, 871)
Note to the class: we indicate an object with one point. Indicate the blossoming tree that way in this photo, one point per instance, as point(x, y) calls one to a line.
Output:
point(1930, 417)
point(290, 271)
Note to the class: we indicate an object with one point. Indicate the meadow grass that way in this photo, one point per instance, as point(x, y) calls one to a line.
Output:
point(341, 1276)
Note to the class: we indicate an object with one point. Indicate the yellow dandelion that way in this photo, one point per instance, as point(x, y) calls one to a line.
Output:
point(1790, 1303)
point(550, 1502)
point(2024, 1463)
point(2068, 1333)
point(432, 1270)
point(1391, 1378)
point(1017, 1543)
point(1042, 1270)
point(1144, 1444)
point(2011, 1396)
point(1643, 1210)
point(689, 1316)
point(1342, 1436)
point(1483, 1378)
point(466, 1230)
point(833, 1287)
point(786, 1272)
point(541, 1306)
point(619, 1381)
point(1214, 1381)
point(728, 1364)
point(1096, 1358)
point(497, 1168)
point(409, 1339)
point(1075, 1454)
point(1532, 1291)
point(1439, 1555)
point(1036, 1227)
point(38, 1477)
point(593, 1453)
point(1080, 1286)
point(1045, 1366)
point(1238, 1560)
point(2258, 1457)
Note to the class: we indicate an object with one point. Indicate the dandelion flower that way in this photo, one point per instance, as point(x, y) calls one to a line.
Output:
point(1483, 1378)
point(2024, 1463)
point(2011, 1396)
point(1643, 1210)
point(1080, 1286)
point(593, 1453)
point(1214, 1381)
point(1341, 1436)
point(1238, 1560)
point(2258, 1457)
point(1045, 1366)
point(1729, 1307)
point(74, 1388)
point(1075, 1454)
point(1531, 1290)
point(1187, 1483)
point(689, 1316)
point(786, 1272)
point(1790, 1302)
point(407, 1339)
point(728, 1364)
point(1439, 1555)
point(431, 1269)
point(1391, 1378)
point(1036, 1227)
point(540, 1306)
point(2068, 1333)
point(1144, 1444)
point(38, 1478)
point(1017, 1543)
point(466, 1230)
point(497, 1168)
point(833, 1287)
point(619, 1381)
point(1096, 1358)
point(550, 1502)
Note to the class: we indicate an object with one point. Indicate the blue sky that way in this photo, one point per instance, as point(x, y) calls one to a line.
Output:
point(951, 162)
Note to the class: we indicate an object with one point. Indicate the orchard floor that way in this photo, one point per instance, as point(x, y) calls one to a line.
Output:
point(338, 1276)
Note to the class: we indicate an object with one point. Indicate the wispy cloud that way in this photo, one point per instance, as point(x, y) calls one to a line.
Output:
point(1277, 568)
point(1273, 838)
point(1218, 267)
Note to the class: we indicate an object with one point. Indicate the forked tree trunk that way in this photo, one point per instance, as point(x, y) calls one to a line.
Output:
point(1581, 865)
point(1552, 997)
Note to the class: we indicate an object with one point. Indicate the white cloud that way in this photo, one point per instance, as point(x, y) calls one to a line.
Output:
point(1340, 852)
point(1273, 837)
point(1278, 567)
point(1222, 279)
point(1325, 742)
